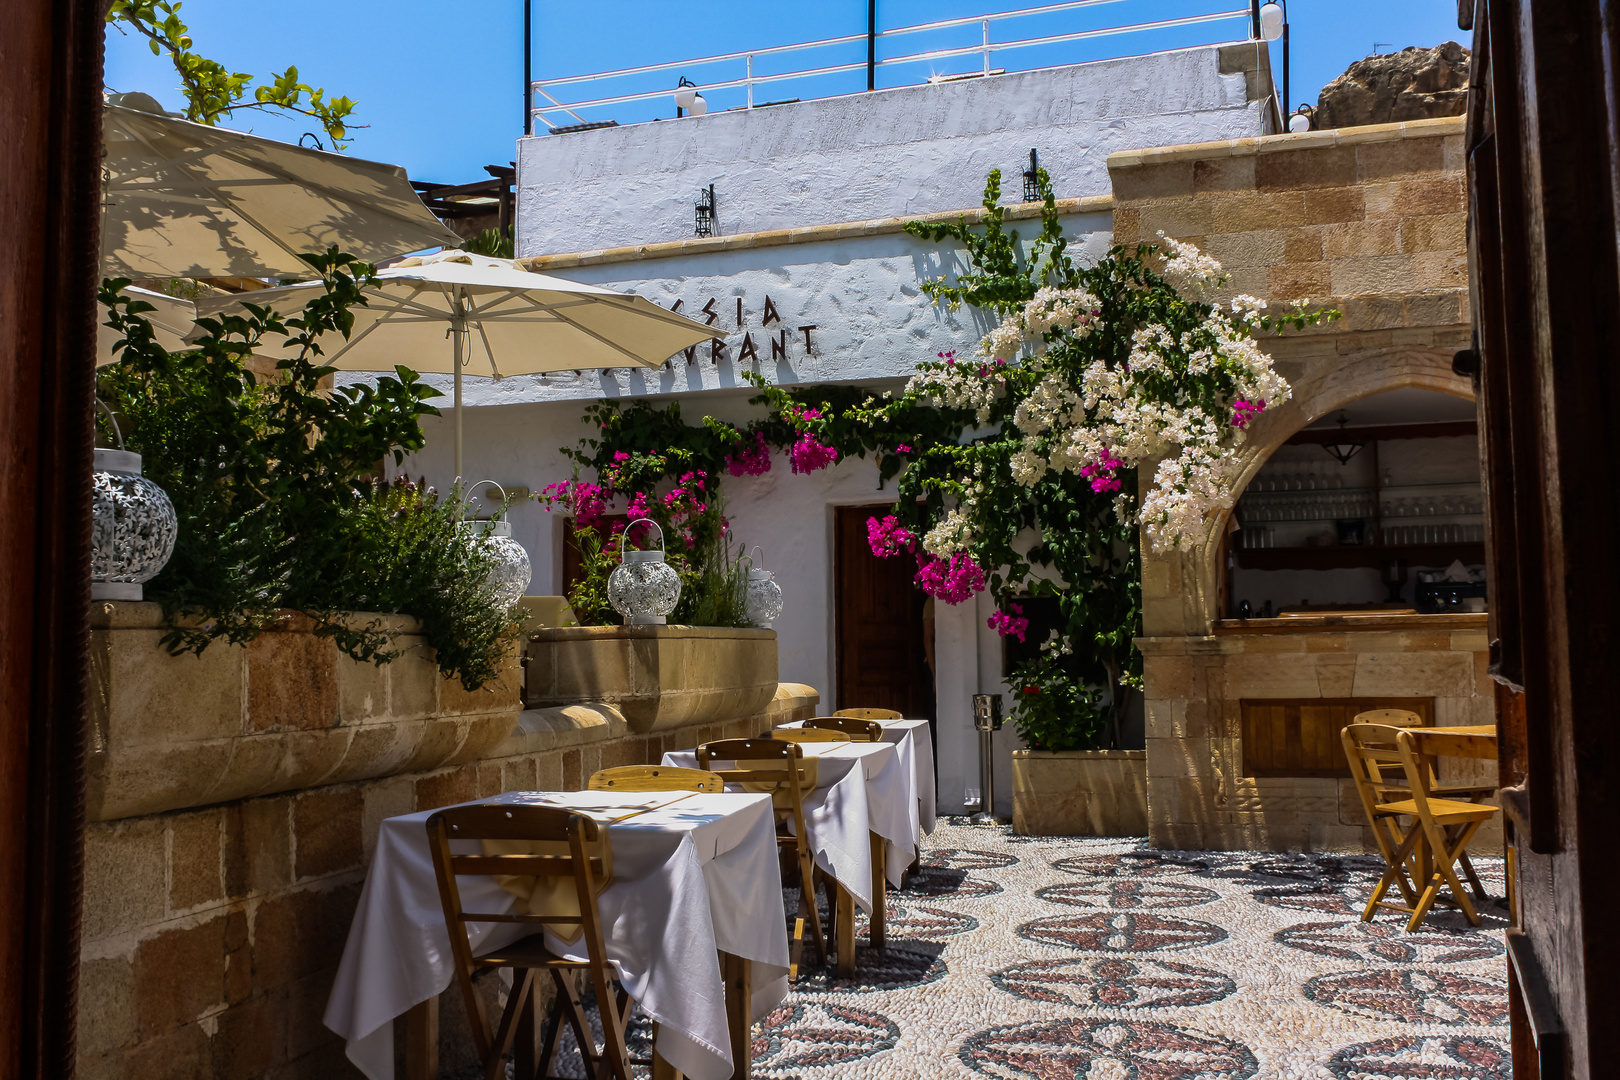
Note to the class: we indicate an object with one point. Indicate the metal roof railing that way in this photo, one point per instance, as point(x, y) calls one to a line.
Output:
point(554, 101)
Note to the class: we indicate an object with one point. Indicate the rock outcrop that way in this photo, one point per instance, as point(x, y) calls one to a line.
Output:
point(1413, 84)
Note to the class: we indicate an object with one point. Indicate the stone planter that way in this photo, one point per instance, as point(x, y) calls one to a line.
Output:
point(657, 677)
point(1080, 793)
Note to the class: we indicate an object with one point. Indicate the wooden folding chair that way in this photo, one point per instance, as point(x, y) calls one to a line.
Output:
point(1370, 748)
point(1392, 783)
point(779, 767)
point(565, 845)
point(1447, 826)
point(654, 778)
point(858, 730)
point(870, 714)
point(808, 734)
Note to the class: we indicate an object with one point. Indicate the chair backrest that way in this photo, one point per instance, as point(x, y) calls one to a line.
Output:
point(858, 730)
point(654, 778)
point(1373, 751)
point(773, 766)
point(808, 734)
point(871, 714)
point(557, 843)
point(1389, 718)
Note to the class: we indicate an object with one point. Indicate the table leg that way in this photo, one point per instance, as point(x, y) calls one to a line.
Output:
point(738, 974)
point(661, 1069)
point(422, 1040)
point(878, 927)
point(845, 932)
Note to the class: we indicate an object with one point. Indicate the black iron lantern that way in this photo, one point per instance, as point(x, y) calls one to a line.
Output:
point(704, 221)
point(1343, 448)
point(1032, 179)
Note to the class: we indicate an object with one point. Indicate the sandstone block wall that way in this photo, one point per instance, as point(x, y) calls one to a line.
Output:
point(1371, 222)
point(1198, 795)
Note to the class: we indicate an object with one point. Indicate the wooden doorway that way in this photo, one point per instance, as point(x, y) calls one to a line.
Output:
point(879, 623)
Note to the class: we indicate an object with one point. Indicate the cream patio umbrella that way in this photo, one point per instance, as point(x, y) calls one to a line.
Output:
point(188, 200)
point(499, 316)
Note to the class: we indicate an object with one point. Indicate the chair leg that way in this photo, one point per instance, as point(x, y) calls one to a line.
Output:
point(516, 1004)
point(1473, 878)
point(1387, 833)
point(574, 1010)
point(1395, 872)
point(554, 1023)
point(615, 1061)
point(808, 872)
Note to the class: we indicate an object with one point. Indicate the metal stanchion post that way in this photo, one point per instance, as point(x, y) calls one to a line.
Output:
point(987, 719)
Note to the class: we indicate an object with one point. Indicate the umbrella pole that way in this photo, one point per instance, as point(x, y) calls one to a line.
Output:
point(459, 334)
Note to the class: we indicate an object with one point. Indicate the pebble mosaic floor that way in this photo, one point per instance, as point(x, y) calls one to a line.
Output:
point(1027, 958)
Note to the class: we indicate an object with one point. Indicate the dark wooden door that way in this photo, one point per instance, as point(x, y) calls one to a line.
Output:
point(880, 657)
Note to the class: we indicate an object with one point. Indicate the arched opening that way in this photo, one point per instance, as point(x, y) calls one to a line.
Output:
point(1374, 505)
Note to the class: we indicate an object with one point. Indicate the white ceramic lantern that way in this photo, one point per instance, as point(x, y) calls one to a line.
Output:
point(643, 587)
point(511, 573)
point(763, 596)
point(132, 527)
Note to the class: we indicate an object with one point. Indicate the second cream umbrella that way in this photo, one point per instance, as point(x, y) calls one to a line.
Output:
point(502, 320)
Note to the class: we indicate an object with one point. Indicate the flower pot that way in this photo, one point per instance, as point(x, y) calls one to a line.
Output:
point(656, 676)
point(1080, 793)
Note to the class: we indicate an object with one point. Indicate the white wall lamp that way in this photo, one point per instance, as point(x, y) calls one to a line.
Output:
point(1272, 22)
point(688, 100)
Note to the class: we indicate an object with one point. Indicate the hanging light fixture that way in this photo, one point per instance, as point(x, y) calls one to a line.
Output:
point(703, 221)
point(643, 587)
point(1032, 179)
point(1343, 448)
point(511, 572)
point(763, 596)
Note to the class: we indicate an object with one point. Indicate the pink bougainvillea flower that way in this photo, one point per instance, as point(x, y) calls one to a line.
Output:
point(1009, 625)
point(953, 581)
point(808, 455)
point(638, 505)
point(753, 461)
point(902, 449)
point(1244, 411)
point(887, 536)
point(1101, 472)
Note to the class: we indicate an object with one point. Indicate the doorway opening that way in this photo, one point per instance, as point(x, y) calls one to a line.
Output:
point(881, 650)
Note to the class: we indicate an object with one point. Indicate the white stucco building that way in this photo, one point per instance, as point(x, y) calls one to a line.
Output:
point(809, 278)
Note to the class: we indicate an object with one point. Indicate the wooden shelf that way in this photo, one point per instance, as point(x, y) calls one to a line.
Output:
point(1349, 557)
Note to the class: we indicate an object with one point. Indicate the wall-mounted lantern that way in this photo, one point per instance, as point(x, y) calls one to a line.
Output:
point(703, 222)
point(1032, 179)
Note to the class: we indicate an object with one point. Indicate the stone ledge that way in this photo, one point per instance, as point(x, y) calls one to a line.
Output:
point(1273, 144)
point(811, 234)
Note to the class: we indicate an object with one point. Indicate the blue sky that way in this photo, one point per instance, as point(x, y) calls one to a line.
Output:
point(441, 86)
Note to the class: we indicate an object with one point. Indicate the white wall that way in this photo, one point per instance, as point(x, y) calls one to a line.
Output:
point(888, 153)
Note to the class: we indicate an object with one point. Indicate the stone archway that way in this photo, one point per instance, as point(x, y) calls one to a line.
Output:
point(1180, 589)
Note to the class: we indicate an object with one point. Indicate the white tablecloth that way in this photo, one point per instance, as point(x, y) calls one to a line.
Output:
point(915, 740)
point(848, 805)
point(915, 745)
point(693, 874)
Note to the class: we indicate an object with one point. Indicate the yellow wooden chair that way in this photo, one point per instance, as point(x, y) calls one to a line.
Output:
point(871, 714)
point(565, 846)
point(1429, 847)
point(654, 778)
point(858, 730)
point(779, 767)
point(808, 734)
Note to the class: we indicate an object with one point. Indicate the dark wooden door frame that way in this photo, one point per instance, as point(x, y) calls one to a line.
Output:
point(50, 129)
point(836, 575)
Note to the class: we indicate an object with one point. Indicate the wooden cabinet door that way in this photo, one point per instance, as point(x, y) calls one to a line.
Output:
point(879, 654)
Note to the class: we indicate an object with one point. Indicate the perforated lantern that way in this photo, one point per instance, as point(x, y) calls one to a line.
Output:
point(132, 527)
point(643, 587)
point(763, 596)
point(511, 573)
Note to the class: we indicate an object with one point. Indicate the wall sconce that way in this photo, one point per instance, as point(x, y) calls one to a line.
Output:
point(703, 224)
point(1032, 179)
point(1343, 448)
point(1303, 119)
point(687, 99)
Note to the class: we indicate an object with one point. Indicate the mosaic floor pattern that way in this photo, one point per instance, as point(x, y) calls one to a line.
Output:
point(1057, 959)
